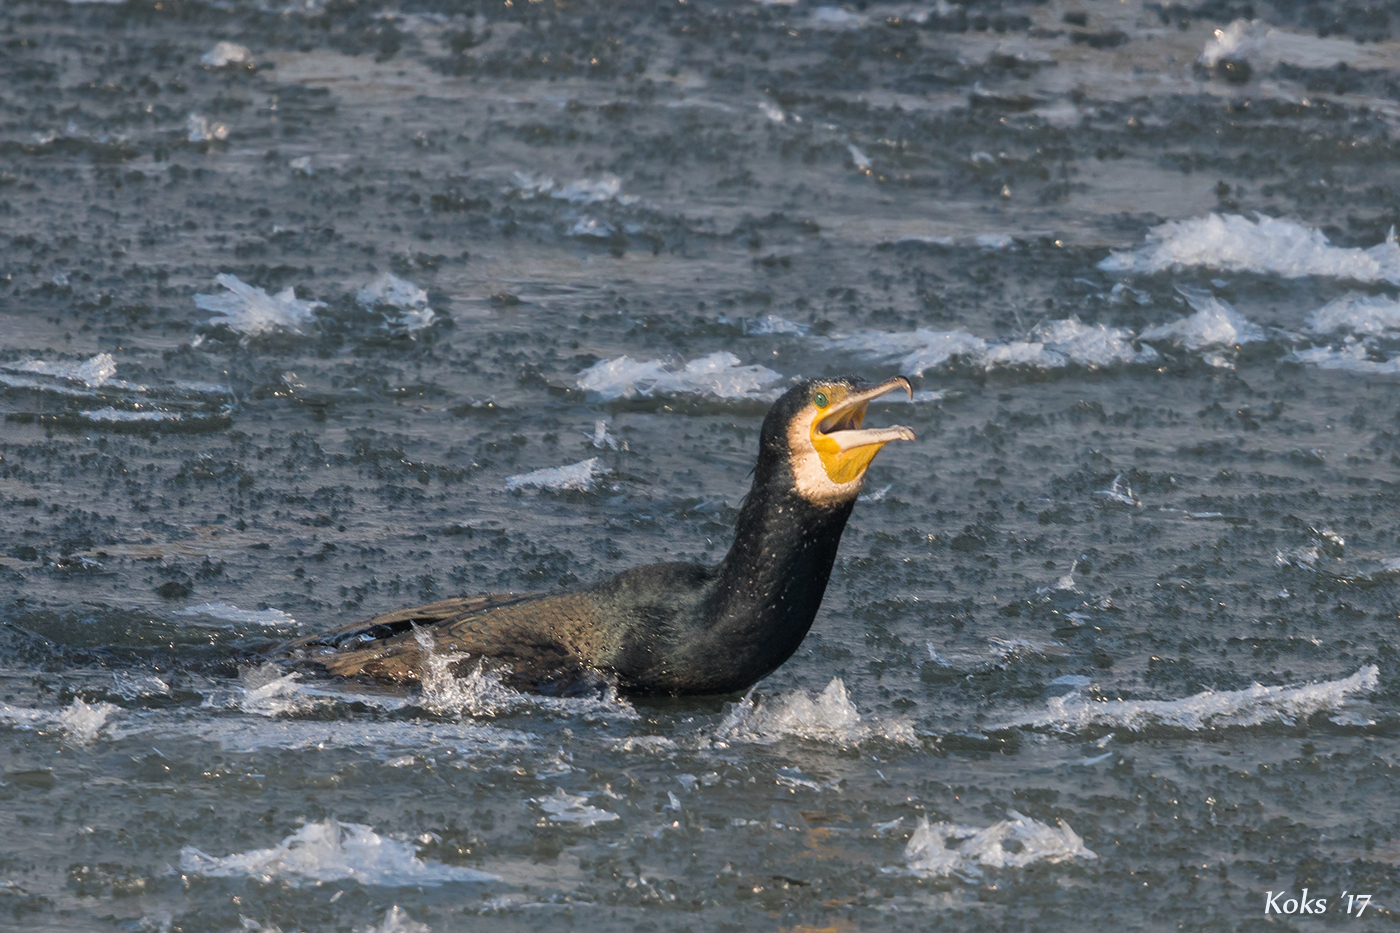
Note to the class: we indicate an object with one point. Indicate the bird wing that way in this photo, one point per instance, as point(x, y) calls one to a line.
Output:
point(535, 639)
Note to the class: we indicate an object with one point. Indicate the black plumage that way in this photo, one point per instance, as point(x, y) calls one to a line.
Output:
point(673, 628)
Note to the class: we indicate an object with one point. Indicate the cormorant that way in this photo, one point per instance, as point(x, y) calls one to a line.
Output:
point(673, 628)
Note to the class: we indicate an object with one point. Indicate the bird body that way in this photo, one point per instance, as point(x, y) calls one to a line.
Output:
point(672, 628)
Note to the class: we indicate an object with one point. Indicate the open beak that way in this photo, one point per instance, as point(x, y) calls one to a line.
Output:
point(842, 423)
point(843, 444)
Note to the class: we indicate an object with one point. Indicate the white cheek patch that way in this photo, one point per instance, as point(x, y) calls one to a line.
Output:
point(813, 484)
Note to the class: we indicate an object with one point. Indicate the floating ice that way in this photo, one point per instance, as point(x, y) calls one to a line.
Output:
point(121, 415)
point(231, 613)
point(251, 310)
point(397, 920)
point(1206, 710)
point(244, 735)
point(935, 657)
point(1119, 492)
point(1089, 345)
point(602, 440)
point(301, 166)
point(928, 239)
point(860, 159)
point(24, 717)
point(592, 228)
point(719, 375)
point(580, 476)
point(1240, 41)
point(917, 351)
point(656, 744)
point(1256, 42)
point(994, 240)
point(929, 854)
point(1304, 558)
point(132, 686)
point(772, 112)
point(771, 324)
point(200, 130)
point(1215, 324)
point(407, 302)
point(389, 289)
point(92, 373)
point(1357, 313)
point(791, 777)
point(834, 17)
point(1237, 244)
point(589, 191)
point(979, 240)
point(331, 851)
point(71, 130)
point(226, 53)
point(1013, 647)
point(1053, 345)
point(579, 191)
point(83, 721)
point(567, 808)
point(532, 184)
point(919, 397)
point(828, 717)
point(1353, 356)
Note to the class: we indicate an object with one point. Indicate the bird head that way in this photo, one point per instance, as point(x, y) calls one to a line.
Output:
point(817, 427)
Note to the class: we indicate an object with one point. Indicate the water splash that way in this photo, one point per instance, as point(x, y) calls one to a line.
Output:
point(830, 716)
point(403, 304)
point(1215, 324)
point(266, 690)
point(226, 53)
point(1352, 355)
point(330, 851)
point(478, 693)
point(719, 375)
point(929, 854)
point(83, 721)
point(1240, 41)
point(1051, 345)
point(1209, 709)
point(1237, 244)
point(1357, 313)
point(581, 476)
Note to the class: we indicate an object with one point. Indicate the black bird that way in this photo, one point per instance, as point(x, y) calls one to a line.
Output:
point(672, 628)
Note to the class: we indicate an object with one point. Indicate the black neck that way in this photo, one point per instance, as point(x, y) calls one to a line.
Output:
point(768, 588)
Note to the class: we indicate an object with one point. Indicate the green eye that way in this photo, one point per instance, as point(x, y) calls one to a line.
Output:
point(820, 400)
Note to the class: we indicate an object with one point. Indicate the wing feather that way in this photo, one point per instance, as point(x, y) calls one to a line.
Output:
point(534, 640)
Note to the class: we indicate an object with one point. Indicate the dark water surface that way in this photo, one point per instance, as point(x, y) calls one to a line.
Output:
point(1112, 645)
